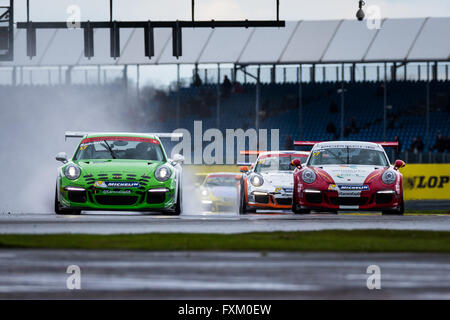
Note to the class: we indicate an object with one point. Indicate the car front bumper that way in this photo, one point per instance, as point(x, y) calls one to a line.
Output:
point(158, 196)
point(331, 200)
point(269, 200)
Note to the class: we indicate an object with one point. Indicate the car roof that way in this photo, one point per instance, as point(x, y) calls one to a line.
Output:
point(121, 134)
point(293, 152)
point(354, 144)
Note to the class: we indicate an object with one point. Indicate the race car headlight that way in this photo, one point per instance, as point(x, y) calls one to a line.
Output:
point(309, 176)
point(162, 173)
point(389, 177)
point(204, 192)
point(72, 172)
point(257, 180)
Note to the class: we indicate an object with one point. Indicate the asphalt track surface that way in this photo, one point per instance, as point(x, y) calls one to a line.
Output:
point(119, 222)
point(41, 274)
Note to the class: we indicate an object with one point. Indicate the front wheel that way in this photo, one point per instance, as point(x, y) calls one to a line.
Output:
point(178, 206)
point(396, 212)
point(60, 211)
point(243, 209)
point(295, 207)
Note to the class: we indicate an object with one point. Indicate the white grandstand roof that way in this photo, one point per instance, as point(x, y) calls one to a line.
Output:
point(329, 41)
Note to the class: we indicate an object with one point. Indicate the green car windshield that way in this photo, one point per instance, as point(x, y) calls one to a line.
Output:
point(348, 155)
point(138, 149)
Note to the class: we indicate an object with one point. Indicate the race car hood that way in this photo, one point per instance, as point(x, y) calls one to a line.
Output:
point(223, 192)
point(114, 166)
point(349, 174)
point(278, 178)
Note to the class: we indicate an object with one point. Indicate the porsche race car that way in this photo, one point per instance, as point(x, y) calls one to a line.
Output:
point(268, 183)
point(348, 175)
point(218, 191)
point(118, 171)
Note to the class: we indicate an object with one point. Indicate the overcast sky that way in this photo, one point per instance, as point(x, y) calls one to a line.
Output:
point(228, 9)
point(223, 9)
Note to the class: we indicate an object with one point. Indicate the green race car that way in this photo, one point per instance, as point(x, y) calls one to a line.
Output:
point(119, 171)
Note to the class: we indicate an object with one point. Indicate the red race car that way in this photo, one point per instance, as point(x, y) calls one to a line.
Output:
point(348, 175)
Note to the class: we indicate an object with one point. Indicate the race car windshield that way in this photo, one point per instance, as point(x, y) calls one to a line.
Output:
point(348, 155)
point(276, 164)
point(221, 181)
point(119, 149)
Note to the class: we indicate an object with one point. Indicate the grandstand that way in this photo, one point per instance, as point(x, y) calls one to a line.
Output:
point(364, 102)
point(392, 81)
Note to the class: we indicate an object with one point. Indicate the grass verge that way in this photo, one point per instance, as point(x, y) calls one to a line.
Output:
point(330, 240)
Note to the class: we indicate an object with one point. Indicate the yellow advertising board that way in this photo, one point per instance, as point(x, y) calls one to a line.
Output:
point(426, 181)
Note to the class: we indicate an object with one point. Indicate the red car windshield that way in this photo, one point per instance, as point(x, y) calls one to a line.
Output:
point(120, 148)
point(348, 155)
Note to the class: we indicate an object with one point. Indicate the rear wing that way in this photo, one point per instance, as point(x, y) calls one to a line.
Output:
point(305, 143)
point(251, 152)
point(81, 134)
point(393, 144)
point(244, 164)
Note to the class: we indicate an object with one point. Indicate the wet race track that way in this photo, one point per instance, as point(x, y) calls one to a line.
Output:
point(117, 222)
point(42, 274)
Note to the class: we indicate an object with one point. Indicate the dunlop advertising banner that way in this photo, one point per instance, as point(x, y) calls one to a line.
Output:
point(426, 181)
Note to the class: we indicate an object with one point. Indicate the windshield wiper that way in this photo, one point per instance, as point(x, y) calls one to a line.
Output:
point(337, 157)
point(348, 155)
point(110, 150)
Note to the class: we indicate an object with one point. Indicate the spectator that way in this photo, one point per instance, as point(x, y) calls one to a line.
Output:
point(417, 145)
point(238, 88)
point(351, 127)
point(333, 107)
point(226, 87)
point(447, 144)
point(397, 150)
point(289, 143)
point(393, 122)
point(197, 80)
point(380, 90)
point(331, 128)
point(440, 144)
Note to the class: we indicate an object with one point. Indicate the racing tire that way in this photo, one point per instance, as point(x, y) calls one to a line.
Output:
point(178, 206)
point(60, 211)
point(296, 209)
point(243, 209)
point(396, 212)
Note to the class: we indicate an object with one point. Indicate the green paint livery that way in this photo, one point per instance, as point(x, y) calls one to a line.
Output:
point(118, 171)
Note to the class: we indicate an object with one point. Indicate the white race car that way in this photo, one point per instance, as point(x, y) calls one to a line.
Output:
point(268, 183)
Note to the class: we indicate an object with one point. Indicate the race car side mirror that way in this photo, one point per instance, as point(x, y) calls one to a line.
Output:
point(296, 163)
point(178, 159)
point(244, 169)
point(399, 164)
point(62, 156)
